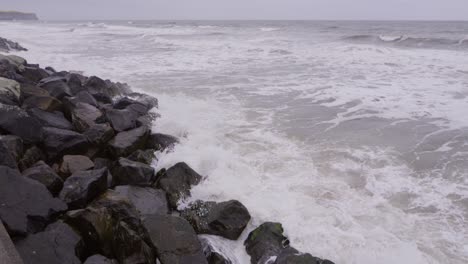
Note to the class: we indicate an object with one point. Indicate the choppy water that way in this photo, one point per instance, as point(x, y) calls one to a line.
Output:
point(354, 135)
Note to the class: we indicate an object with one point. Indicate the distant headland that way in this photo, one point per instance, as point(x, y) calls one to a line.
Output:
point(15, 15)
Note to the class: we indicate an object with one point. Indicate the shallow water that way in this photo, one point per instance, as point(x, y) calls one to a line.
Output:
point(354, 135)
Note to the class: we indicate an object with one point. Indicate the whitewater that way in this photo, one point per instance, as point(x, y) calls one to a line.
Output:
point(353, 135)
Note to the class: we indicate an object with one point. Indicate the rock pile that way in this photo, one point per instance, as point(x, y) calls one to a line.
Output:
point(7, 45)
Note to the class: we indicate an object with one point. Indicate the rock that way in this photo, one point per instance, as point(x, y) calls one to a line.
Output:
point(122, 120)
point(111, 226)
point(123, 102)
point(102, 98)
point(50, 70)
point(160, 142)
point(56, 245)
point(96, 85)
point(74, 81)
point(177, 182)
point(28, 90)
point(10, 89)
point(147, 200)
point(56, 87)
point(75, 163)
point(8, 69)
point(84, 116)
point(34, 74)
point(148, 100)
point(6, 158)
point(46, 103)
point(16, 121)
point(85, 97)
point(51, 119)
point(292, 256)
point(211, 255)
point(226, 219)
point(25, 205)
point(14, 145)
point(143, 156)
point(7, 45)
point(174, 239)
point(127, 142)
point(83, 186)
point(59, 142)
point(30, 157)
point(99, 259)
point(127, 172)
point(41, 172)
point(99, 134)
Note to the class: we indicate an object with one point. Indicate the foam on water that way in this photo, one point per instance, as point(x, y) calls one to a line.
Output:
point(360, 150)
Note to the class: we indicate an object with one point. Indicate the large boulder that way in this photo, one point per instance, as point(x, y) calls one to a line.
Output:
point(226, 219)
point(75, 82)
point(46, 103)
point(56, 86)
point(127, 142)
point(99, 134)
point(30, 157)
point(34, 74)
point(7, 45)
point(28, 90)
point(58, 244)
point(6, 157)
point(74, 163)
point(177, 182)
point(292, 256)
point(85, 97)
point(111, 226)
point(10, 89)
point(266, 241)
point(59, 142)
point(175, 240)
point(83, 186)
point(147, 200)
point(25, 205)
point(127, 172)
point(160, 142)
point(212, 256)
point(41, 172)
point(85, 115)
point(146, 99)
point(16, 121)
point(122, 120)
point(14, 145)
point(143, 156)
point(51, 119)
point(96, 85)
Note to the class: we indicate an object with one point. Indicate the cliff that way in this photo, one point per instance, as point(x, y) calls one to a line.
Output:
point(14, 15)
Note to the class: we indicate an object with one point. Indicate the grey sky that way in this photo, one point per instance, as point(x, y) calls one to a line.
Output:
point(243, 9)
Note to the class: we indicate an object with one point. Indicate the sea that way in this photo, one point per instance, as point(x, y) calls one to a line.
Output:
point(352, 134)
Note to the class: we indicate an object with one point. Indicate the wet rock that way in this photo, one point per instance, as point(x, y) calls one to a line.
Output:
point(111, 226)
point(59, 142)
point(6, 158)
point(8, 69)
point(84, 116)
point(143, 156)
point(34, 74)
point(102, 98)
point(10, 89)
point(41, 172)
point(51, 119)
point(292, 256)
point(123, 102)
point(14, 145)
point(226, 219)
point(46, 103)
point(25, 205)
point(177, 182)
point(212, 256)
point(139, 109)
point(147, 200)
point(84, 97)
point(28, 90)
point(56, 245)
point(16, 121)
point(122, 120)
point(127, 172)
point(30, 157)
point(7, 45)
point(148, 100)
point(99, 259)
point(83, 186)
point(56, 87)
point(99, 134)
point(74, 81)
point(127, 142)
point(161, 142)
point(175, 240)
point(75, 163)
point(96, 85)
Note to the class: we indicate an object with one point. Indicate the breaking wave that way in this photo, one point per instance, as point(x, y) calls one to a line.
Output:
point(410, 42)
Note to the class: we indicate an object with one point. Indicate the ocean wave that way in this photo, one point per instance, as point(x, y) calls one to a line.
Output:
point(412, 42)
point(268, 29)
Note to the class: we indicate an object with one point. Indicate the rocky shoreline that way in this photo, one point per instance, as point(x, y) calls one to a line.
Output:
point(77, 183)
point(15, 15)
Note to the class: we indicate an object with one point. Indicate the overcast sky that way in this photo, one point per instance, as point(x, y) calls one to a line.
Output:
point(243, 9)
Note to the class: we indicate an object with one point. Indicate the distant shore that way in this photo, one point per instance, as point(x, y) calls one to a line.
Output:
point(15, 15)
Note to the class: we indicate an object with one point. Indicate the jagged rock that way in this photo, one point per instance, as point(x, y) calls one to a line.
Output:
point(25, 205)
point(58, 244)
point(174, 239)
point(122, 120)
point(16, 121)
point(95, 85)
point(30, 157)
point(127, 172)
point(111, 226)
point(84, 116)
point(99, 134)
point(28, 90)
point(143, 156)
point(83, 186)
point(177, 182)
point(10, 89)
point(102, 98)
point(46, 103)
point(211, 255)
point(75, 163)
point(226, 219)
point(41, 172)
point(266, 241)
point(56, 86)
point(161, 142)
point(34, 74)
point(146, 99)
point(7, 45)
point(49, 69)
point(99, 259)
point(59, 142)
point(123, 102)
point(85, 97)
point(6, 158)
point(147, 200)
point(14, 145)
point(51, 119)
point(127, 142)
point(292, 256)
point(8, 69)
point(74, 81)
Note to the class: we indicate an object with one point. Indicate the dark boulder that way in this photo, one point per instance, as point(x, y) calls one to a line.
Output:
point(127, 172)
point(28, 90)
point(147, 200)
point(100, 163)
point(30, 157)
point(8, 69)
point(127, 142)
point(177, 182)
point(111, 226)
point(46, 103)
point(16, 121)
point(146, 99)
point(143, 156)
point(83, 186)
point(99, 259)
point(102, 98)
point(212, 256)
point(174, 239)
point(160, 142)
point(56, 86)
point(84, 97)
point(226, 219)
point(123, 102)
point(74, 81)
point(5, 44)
point(85, 115)
point(51, 119)
point(59, 142)
point(58, 244)
point(10, 89)
point(96, 85)
point(25, 205)
point(266, 241)
point(41, 172)
point(14, 145)
point(34, 74)
point(292, 256)
point(6, 157)
point(74, 163)
point(122, 120)
point(99, 134)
